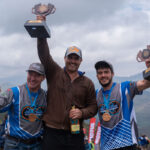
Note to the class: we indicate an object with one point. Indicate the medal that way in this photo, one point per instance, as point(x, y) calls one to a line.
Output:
point(106, 116)
point(32, 117)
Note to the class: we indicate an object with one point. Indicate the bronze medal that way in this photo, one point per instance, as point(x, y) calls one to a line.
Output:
point(106, 116)
point(32, 117)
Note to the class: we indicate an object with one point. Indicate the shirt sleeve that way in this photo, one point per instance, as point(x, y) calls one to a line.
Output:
point(6, 99)
point(50, 66)
point(133, 90)
point(91, 105)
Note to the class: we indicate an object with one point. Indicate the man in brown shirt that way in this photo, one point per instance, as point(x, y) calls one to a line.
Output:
point(66, 87)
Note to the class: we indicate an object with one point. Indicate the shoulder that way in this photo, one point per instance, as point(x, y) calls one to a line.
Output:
point(88, 80)
point(14, 89)
point(43, 91)
point(89, 83)
point(128, 83)
point(20, 88)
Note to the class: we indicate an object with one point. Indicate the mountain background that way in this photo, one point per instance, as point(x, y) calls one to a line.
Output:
point(141, 102)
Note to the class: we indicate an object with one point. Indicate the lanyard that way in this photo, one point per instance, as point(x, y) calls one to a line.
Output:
point(34, 101)
point(106, 100)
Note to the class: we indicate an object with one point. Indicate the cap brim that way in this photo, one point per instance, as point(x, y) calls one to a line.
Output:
point(35, 71)
point(73, 53)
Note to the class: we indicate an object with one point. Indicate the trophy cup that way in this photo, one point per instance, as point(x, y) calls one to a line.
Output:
point(143, 56)
point(38, 28)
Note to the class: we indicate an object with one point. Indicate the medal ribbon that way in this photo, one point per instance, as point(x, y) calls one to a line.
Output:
point(34, 101)
point(106, 100)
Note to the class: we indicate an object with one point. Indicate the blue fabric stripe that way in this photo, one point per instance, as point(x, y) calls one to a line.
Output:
point(6, 108)
point(126, 112)
point(131, 101)
point(119, 136)
point(97, 92)
point(14, 113)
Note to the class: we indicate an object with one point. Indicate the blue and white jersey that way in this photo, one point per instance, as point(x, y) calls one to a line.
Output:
point(24, 121)
point(121, 129)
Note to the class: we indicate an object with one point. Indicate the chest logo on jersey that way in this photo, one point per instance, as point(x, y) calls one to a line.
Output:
point(113, 108)
point(32, 114)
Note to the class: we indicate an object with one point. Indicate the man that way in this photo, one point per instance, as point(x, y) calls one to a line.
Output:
point(25, 105)
point(147, 63)
point(67, 87)
point(115, 109)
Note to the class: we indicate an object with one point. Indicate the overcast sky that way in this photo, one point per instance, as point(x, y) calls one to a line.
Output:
point(112, 30)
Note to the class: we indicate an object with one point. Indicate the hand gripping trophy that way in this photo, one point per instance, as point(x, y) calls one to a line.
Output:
point(38, 28)
point(144, 55)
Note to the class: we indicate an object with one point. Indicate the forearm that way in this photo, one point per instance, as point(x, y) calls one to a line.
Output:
point(143, 84)
point(46, 59)
point(43, 50)
point(89, 111)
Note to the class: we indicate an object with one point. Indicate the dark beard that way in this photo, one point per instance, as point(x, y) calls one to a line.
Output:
point(107, 84)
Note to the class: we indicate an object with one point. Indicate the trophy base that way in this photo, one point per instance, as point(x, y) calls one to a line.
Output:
point(146, 74)
point(37, 29)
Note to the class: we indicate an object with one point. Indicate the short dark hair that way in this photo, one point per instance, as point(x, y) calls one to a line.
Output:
point(104, 64)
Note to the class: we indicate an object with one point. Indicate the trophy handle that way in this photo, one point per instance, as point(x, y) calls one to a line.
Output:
point(53, 10)
point(139, 56)
point(33, 10)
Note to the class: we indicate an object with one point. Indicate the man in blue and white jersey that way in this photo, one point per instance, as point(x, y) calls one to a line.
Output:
point(25, 105)
point(115, 109)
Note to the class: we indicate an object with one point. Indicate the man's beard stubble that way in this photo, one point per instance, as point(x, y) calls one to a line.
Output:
point(107, 84)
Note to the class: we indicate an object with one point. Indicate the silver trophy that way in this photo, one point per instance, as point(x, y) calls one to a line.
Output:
point(144, 55)
point(38, 28)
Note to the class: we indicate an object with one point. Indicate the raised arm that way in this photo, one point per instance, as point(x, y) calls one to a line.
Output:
point(143, 84)
point(45, 57)
point(43, 50)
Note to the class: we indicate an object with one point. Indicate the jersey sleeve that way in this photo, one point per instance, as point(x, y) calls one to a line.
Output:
point(6, 99)
point(132, 89)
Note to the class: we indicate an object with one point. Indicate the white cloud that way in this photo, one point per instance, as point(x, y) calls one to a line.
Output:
point(114, 31)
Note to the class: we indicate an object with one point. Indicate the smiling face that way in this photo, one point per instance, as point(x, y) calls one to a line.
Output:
point(34, 80)
point(147, 62)
point(72, 63)
point(105, 76)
